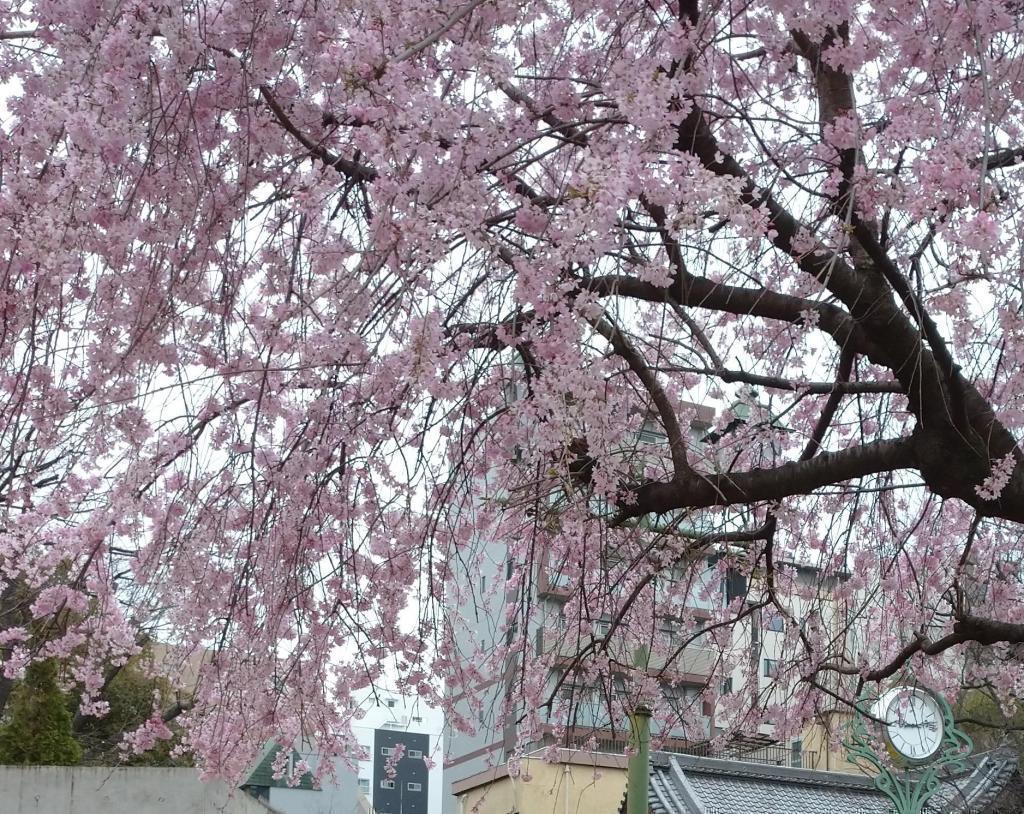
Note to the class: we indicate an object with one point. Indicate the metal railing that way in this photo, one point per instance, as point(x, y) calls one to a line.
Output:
point(763, 755)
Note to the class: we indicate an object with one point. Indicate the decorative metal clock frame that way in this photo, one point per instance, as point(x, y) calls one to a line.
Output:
point(908, 784)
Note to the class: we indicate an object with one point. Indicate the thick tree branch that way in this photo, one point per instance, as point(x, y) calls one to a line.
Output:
point(953, 462)
point(794, 478)
point(966, 629)
point(19, 34)
point(700, 292)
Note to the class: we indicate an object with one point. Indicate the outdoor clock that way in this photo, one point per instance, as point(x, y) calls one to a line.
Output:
point(916, 728)
point(912, 723)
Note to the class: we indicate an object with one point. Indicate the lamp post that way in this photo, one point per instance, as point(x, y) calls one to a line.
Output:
point(915, 727)
point(640, 747)
point(639, 760)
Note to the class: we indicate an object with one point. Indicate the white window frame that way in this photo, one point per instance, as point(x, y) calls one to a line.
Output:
point(414, 787)
point(387, 784)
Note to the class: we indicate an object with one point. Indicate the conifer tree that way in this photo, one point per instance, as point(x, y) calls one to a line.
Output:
point(38, 727)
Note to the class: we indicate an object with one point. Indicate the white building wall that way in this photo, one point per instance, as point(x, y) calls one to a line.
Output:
point(383, 710)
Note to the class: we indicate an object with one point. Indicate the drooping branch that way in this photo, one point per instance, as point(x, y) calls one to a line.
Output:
point(352, 169)
point(649, 379)
point(781, 383)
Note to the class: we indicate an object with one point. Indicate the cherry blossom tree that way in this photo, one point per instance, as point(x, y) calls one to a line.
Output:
point(301, 302)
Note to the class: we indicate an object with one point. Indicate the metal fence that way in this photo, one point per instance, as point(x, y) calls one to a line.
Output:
point(764, 755)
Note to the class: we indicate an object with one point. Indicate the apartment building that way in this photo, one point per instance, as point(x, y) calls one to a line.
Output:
point(589, 717)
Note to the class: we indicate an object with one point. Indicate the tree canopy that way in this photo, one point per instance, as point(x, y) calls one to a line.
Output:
point(307, 307)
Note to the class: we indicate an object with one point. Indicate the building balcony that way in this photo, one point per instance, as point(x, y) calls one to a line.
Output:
point(694, 663)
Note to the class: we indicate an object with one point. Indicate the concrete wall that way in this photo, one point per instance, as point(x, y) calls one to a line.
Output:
point(101, 790)
point(329, 801)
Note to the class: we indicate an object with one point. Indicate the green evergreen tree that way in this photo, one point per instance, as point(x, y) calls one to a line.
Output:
point(130, 698)
point(38, 726)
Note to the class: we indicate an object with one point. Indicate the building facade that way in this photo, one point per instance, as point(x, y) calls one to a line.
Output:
point(396, 769)
point(691, 715)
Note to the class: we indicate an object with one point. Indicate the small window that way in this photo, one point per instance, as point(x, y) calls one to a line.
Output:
point(364, 784)
point(418, 719)
point(771, 668)
point(602, 628)
point(387, 751)
point(391, 703)
point(387, 784)
point(483, 584)
point(775, 622)
point(735, 585)
point(413, 787)
point(727, 686)
point(414, 753)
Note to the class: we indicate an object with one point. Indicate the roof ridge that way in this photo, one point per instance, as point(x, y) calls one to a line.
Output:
point(740, 768)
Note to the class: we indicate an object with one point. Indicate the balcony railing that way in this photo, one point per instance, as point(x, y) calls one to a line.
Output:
point(694, 660)
point(765, 755)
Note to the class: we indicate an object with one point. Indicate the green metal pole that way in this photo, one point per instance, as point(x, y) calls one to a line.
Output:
point(640, 741)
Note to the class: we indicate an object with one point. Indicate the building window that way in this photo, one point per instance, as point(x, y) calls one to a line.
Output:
point(602, 628)
point(387, 751)
point(735, 585)
point(364, 784)
point(771, 668)
point(413, 787)
point(391, 703)
point(727, 686)
point(414, 753)
point(417, 719)
point(775, 622)
point(387, 784)
point(483, 584)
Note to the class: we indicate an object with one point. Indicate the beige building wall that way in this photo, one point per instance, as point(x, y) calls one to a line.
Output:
point(580, 784)
point(818, 739)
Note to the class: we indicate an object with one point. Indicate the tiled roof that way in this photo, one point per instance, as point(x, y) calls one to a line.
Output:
point(977, 790)
point(684, 784)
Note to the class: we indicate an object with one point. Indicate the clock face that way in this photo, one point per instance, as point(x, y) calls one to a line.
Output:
point(913, 724)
